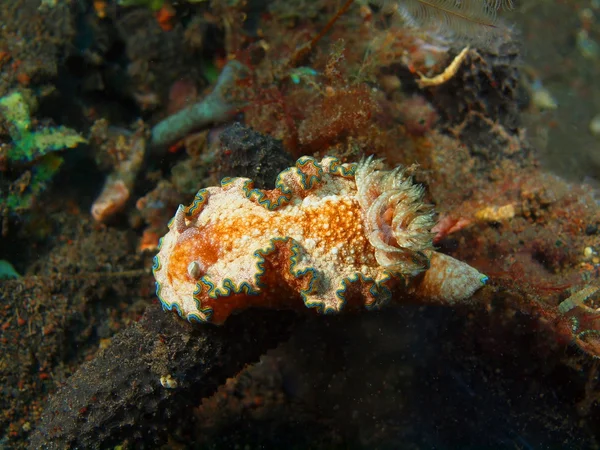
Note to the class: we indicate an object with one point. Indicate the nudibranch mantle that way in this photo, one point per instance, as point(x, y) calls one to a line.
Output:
point(330, 236)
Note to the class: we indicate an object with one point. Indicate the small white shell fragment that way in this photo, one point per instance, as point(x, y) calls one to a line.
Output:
point(594, 125)
point(496, 213)
point(168, 382)
point(542, 98)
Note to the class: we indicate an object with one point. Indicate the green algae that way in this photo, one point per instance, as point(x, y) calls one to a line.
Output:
point(7, 271)
point(30, 145)
point(32, 153)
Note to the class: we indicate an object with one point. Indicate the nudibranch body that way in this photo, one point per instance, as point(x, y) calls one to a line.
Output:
point(330, 236)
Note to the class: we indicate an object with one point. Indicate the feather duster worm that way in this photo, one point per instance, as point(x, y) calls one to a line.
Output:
point(330, 236)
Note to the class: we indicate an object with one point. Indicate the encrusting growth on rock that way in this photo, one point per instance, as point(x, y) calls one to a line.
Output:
point(330, 236)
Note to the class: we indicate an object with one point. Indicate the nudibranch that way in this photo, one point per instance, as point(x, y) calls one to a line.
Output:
point(330, 236)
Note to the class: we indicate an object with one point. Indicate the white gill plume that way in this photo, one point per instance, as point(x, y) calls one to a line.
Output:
point(397, 222)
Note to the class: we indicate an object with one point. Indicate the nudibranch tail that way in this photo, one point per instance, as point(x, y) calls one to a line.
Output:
point(329, 237)
point(448, 280)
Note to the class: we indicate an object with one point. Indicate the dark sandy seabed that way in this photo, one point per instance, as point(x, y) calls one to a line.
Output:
point(507, 148)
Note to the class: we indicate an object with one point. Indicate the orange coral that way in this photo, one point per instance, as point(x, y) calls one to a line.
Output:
point(329, 236)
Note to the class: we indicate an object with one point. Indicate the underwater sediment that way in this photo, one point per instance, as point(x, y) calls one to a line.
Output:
point(391, 169)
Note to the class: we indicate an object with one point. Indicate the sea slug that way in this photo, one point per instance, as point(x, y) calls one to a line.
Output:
point(330, 237)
